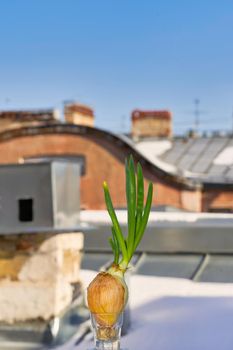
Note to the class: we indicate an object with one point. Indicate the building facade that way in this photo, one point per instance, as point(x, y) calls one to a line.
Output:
point(102, 156)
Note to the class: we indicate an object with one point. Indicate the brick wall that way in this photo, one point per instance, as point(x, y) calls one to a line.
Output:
point(217, 200)
point(34, 268)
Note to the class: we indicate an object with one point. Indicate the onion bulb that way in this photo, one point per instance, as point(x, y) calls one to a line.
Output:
point(107, 294)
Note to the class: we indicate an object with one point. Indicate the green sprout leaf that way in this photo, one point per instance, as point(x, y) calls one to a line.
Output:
point(131, 203)
point(145, 216)
point(138, 215)
point(111, 211)
point(116, 246)
point(140, 196)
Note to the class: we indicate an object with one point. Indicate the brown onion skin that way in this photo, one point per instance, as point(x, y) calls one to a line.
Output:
point(106, 297)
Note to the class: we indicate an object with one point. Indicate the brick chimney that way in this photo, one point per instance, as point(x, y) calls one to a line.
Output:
point(157, 123)
point(79, 114)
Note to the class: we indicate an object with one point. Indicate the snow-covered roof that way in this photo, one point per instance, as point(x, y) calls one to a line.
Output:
point(206, 159)
point(164, 218)
point(225, 157)
point(173, 314)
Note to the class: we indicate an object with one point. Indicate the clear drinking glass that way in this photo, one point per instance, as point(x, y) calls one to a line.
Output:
point(107, 330)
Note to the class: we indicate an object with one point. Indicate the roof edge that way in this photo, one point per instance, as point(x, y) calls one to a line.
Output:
point(72, 129)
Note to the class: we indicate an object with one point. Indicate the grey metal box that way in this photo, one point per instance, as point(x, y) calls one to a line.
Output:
point(37, 197)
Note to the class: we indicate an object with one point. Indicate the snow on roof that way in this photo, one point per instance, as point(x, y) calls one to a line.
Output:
point(225, 157)
point(102, 217)
point(152, 149)
point(205, 159)
point(155, 147)
point(194, 315)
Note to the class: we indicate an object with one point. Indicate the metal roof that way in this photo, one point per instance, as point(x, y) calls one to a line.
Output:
point(184, 245)
point(168, 259)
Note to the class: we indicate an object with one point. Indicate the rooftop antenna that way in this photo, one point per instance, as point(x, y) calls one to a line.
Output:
point(68, 102)
point(232, 123)
point(123, 123)
point(197, 114)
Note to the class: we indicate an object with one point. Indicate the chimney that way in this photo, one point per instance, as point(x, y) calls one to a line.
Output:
point(155, 123)
point(79, 114)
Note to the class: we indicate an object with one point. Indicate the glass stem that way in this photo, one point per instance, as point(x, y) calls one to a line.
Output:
point(107, 345)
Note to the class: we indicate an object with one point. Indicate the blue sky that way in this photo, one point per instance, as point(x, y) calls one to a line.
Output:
point(117, 55)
